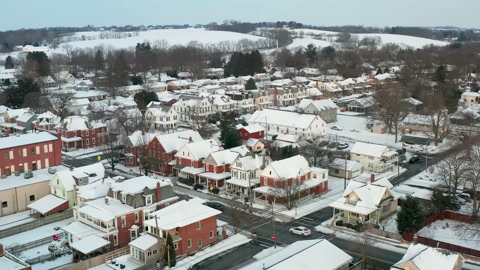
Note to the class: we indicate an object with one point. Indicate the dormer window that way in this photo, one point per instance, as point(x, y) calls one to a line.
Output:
point(149, 199)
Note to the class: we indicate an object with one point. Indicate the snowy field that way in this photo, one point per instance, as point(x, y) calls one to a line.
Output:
point(448, 231)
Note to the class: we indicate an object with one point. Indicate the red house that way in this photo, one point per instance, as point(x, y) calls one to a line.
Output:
point(29, 152)
point(77, 132)
point(189, 159)
point(46, 121)
point(217, 168)
point(251, 132)
point(161, 149)
point(118, 218)
point(293, 177)
point(192, 225)
point(136, 147)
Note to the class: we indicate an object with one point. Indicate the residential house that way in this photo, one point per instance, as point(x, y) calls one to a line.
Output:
point(78, 105)
point(469, 99)
point(18, 120)
point(214, 73)
point(136, 147)
point(254, 131)
point(282, 97)
point(25, 122)
point(362, 105)
point(367, 202)
point(330, 89)
point(344, 168)
point(46, 81)
point(77, 132)
point(46, 121)
point(255, 145)
point(119, 218)
point(11, 115)
point(91, 95)
point(162, 150)
point(221, 103)
point(310, 254)
point(29, 152)
point(210, 89)
point(261, 77)
point(246, 105)
point(305, 126)
point(64, 77)
point(193, 109)
point(132, 89)
point(66, 183)
point(414, 105)
point(179, 85)
point(245, 171)
point(17, 192)
point(217, 168)
point(374, 157)
point(314, 94)
point(291, 176)
point(285, 140)
point(325, 108)
point(9, 261)
point(192, 226)
point(418, 123)
point(261, 99)
point(190, 158)
point(157, 87)
point(161, 117)
point(421, 257)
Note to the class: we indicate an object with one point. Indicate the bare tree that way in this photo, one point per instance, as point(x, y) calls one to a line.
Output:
point(60, 102)
point(288, 192)
point(472, 182)
point(316, 152)
point(365, 240)
point(392, 107)
point(237, 214)
point(113, 150)
point(453, 170)
point(436, 116)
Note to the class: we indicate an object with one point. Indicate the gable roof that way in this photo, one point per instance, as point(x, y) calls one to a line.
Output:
point(201, 149)
point(253, 128)
point(368, 149)
point(175, 141)
point(224, 156)
point(283, 118)
point(425, 257)
point(138, 184)
point(97, 170)
point(339, 163)
point(289, 167)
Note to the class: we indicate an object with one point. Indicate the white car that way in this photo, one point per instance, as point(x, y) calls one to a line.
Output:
point(300, 230)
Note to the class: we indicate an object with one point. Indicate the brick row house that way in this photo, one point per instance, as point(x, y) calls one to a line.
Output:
point(77, 133)
point(189, 159)
point(162, 150)
point(114, 221)
point(290, 177)
point(46, 121)
point(29, 152)
point(245, 174)
point(136, 147)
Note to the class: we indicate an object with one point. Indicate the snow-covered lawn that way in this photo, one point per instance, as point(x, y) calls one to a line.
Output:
point(449, 231)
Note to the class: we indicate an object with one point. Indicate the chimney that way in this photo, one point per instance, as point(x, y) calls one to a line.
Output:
point(159, 198)
point(190, 139)
point(316, 84)
point(1, 250)
point(106, 200)
point(372, 178)
point(186, 197)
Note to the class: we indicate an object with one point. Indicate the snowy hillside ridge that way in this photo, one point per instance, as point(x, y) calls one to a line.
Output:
point(168, 37)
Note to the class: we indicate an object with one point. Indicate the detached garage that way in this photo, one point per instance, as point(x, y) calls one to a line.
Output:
point(337, 168)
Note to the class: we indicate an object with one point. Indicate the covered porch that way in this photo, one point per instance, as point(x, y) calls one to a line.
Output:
point(213, 179)
point(90, 246)
point(71, 144)
point(47, 205)
point(191, 173)
point(240, 186)
point(353, 213)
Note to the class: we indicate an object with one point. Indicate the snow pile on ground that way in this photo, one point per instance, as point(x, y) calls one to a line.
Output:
point(222, 246)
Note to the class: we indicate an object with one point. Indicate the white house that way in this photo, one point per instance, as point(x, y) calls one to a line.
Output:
point(303, 125)
point(245, 173)
point(374, 157)
point(162, 118)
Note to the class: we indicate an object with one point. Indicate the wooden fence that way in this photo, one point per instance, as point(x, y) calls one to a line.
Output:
point(95, 261)
point(18, 249)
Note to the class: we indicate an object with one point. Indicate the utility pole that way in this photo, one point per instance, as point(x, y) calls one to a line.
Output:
point(157, 233)
point(274, 237)
point(345, 176)
point(426, 157)
point(250, 197)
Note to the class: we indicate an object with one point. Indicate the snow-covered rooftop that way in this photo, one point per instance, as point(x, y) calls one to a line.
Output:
point(26, 139)
point(138, 184)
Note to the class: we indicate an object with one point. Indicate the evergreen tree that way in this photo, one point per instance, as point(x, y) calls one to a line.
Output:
point(9, 63)
point(228, 133)
point(16, 94)
point(39, 63)
point(169, 256)
point(99, 60)
point(379, 71)
point(410, 216)
point(311, 53)
point(144, 98)
point(250, 85)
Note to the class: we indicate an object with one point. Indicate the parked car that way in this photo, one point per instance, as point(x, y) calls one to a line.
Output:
point(414, 159)
point(460, 200)
point(341, 146)
point(215, 205)
point(465, 196)
point(300, 230)
point(336, 128)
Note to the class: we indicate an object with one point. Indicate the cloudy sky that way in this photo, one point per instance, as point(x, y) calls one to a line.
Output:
point(50, 13)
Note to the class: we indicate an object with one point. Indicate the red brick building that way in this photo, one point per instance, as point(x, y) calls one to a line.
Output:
point(191, 224)
point(77, 133)
point(251, 132)
point(46, 121)
point(119, 218)
point(189, 159)
point(29, 152)
point(161, 149)
point(291, 176)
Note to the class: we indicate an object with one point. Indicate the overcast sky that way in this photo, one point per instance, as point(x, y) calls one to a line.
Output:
point(50, 13)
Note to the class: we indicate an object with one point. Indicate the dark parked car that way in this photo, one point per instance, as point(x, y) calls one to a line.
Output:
point(414, 159)
point(215, 205)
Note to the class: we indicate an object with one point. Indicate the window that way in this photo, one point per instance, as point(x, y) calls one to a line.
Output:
point(136, 216)
point(211, 234)
point(93, 131)
point(133, 235)
point(32, 197)
point(175, 245)
point(50, 148)
point(87, 132)
point(337, 171)
point(189, 243)
point(6, 155)
point(199, 243)
point(198, 225)
point(93, 140)
point(148, 199)
point(87, 142)
point(45, 149)
point(115, 240)
point(20, 153)
point(124, 222)
point(32, 150)
point(4, 204)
